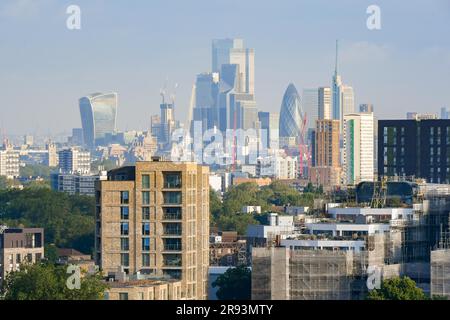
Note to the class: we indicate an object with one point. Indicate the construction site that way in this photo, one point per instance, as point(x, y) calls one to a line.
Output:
point(351, 251)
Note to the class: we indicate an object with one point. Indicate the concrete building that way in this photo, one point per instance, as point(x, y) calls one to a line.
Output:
point(18, 246)
point(74, 160)
point(358, 163)
point(148, 290)
point(52, 155)
point(440, 273)
point(264, 234)
point(270, 122)
point(75, 183)
point(325, 105)
point(153, 218)
point(9, 162)
point(414, 148)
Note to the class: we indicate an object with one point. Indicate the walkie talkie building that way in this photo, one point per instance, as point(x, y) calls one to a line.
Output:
point(98, 116)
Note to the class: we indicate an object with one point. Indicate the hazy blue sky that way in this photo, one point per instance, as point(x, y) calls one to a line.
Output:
point(131, 47)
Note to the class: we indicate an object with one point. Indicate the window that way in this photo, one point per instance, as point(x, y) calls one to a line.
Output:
point(145, 197)
point(124, 259)
point(146, 229)
point(172, 180)
point(146, 181)
point(124, 213)
point(123, 296)
point(124, 228)
point(146, 260)
point(172, 213)
point(172, 197)
point(145, 244)
point(145, 213)
point(124, 197)
point(18, 260)
point(124, 244)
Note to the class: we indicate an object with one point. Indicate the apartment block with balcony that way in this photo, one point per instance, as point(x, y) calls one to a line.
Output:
point(153, 219)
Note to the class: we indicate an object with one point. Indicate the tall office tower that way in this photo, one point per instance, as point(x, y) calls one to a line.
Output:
point(206, 93)
point(325, 111)
point(326, 170)
point(98, 117)
point(19, 246)
point(358, 163)
point(153, 218)
point(414, 148)
point(28, 140)
point(310, 104)
point(229, 85)
point(270, 122)
point(74, 160)
point(77, 137)
point(327, 143)
point(167, 124)
point(343, 100)
point(291, 118)
point(348, 100)
point(52, 155)
point(232, 51)
point(246, 114)
point(9, 161)
point(367, 107)
point(445, 113)
point(155, 125)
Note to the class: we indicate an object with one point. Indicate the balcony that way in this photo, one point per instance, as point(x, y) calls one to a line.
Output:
point(172, 180)
point(172, 214)
point(172, 245)
point(172, 229)
point(172, 198)
point(172, 260)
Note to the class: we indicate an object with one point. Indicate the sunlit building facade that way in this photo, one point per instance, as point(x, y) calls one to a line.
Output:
point(98, 116)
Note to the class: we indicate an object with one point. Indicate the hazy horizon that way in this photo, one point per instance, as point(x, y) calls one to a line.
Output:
point(135, 48)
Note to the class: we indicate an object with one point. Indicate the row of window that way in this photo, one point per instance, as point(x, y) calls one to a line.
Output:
point(170, 197)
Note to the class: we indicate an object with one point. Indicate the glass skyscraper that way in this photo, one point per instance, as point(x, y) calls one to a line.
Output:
point(291, 117)
point(98, 116)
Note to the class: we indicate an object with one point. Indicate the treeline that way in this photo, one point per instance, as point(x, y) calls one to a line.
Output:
point(68, 221)
point(227, 215)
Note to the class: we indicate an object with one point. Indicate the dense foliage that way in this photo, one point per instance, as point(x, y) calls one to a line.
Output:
point(49, 282)
point(227, 215)
point(68, 221)
point(36, 170)
point(234, 284)
point(397, 289)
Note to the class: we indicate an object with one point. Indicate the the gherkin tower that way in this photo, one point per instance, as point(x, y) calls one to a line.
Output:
point(291, 115)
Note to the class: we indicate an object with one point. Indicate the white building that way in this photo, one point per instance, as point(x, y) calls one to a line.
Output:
point(325, 107)
point(276, 225)
point(74, 160)
point(358, 162)
point(278, 167)
point(251, 209)
point(9, 162)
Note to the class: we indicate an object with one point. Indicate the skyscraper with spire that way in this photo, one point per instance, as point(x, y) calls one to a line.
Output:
point(343, 97)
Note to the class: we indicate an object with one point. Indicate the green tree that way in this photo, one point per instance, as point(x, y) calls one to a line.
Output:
point(48, 282)
point(234, 284)
point(397, 288)
point(235, 222)
point(68, 220)
point(35, 170)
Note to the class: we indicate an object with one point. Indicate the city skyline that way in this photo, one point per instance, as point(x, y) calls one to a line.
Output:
point(56, 66)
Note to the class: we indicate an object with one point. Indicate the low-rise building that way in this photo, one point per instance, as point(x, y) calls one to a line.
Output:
point(18, 246)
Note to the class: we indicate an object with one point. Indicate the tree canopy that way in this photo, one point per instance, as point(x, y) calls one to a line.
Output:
point(397, 288)
point(234, 284)
point(228, 216)
point(68, 221)
point(44, 281)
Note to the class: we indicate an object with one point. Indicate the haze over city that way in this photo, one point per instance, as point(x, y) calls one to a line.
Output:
point(135, 48)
